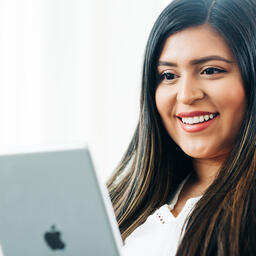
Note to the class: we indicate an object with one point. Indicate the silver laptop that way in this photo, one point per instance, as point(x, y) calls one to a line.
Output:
point(51, 204)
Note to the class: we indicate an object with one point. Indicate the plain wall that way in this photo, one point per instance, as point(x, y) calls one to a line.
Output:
point(71, 71)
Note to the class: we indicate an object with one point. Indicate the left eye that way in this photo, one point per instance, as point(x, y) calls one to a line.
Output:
point(212, 71)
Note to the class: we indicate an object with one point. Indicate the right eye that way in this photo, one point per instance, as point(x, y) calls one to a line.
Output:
point(167, 76)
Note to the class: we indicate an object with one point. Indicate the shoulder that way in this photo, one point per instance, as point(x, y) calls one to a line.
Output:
point(151, 225)
point(150, 237)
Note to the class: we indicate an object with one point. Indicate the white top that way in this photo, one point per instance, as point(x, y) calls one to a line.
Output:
point(161, 232)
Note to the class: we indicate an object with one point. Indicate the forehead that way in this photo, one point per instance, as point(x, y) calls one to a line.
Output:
point(195, 42)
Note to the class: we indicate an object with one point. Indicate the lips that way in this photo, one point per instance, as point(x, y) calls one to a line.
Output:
point(197, 120)
point(194, 113)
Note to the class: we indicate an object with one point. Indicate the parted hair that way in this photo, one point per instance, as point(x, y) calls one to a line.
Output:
point(223, 221)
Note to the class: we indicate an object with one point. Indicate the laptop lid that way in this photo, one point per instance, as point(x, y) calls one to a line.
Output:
point(51, 203)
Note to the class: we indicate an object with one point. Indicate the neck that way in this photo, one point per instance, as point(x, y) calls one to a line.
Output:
point(206, 170)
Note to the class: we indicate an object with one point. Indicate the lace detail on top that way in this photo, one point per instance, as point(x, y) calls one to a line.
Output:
point(161, 233)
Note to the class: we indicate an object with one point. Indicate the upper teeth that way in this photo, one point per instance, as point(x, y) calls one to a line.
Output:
point(197, 119)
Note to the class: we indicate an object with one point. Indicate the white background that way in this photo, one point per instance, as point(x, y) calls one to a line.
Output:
point(70, 71)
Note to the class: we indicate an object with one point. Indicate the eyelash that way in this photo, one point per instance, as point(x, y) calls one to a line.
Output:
point(172, 76)
point(164, 76)
point(214, 71)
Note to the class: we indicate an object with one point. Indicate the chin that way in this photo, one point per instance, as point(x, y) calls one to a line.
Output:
point(197, 153)
point(197, 156)
point(215, 155)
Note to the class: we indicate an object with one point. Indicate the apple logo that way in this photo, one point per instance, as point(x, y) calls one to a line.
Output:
point(53, 239)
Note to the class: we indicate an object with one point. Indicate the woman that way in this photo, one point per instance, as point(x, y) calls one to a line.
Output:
point(186, 185)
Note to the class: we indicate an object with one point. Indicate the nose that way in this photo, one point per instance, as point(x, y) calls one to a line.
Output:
point(189, 90)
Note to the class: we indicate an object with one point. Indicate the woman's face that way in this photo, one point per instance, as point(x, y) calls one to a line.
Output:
point(200, 96)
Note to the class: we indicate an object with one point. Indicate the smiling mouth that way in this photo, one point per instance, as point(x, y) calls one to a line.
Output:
point(198, 119)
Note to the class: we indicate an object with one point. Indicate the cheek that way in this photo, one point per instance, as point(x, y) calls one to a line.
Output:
point(232, 104)
point(159, 101)
point(164, 101)
point(232, 100)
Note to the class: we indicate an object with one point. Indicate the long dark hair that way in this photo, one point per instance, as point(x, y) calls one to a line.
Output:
point(224, 220)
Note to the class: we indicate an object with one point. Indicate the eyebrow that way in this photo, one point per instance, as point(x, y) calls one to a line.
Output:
point(196, 61)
